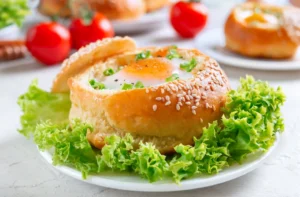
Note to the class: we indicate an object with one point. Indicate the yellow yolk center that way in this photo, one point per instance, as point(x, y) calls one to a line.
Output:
point(150, 68)
point(255, 17)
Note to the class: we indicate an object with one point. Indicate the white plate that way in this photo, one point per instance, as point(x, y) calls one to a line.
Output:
point(212, 42)
point(149, 21)
point(125, 181)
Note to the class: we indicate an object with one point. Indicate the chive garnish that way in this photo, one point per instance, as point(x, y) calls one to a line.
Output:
point(96, 85)
point(143, 55)
point(109, 72)
point(173, 77)
point(189, 66)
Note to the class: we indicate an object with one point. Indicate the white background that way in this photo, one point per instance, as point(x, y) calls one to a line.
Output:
point(24, 173)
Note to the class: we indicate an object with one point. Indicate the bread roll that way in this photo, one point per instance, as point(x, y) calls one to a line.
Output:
point(163, 113)
point(260, 30)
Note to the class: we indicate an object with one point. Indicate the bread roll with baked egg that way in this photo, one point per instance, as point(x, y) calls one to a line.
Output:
point(261, 30)
point(161, 95)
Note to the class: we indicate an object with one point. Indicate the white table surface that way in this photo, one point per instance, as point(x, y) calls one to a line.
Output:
point(24, 173)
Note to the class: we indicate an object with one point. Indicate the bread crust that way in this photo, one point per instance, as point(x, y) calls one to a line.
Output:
point(165, 123)
point(118, 9)
point(152, 5)
point(258, 41)
point(112, 9)
point(87, 56)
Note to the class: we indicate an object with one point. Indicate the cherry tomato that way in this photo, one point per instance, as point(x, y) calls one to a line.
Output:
point(49, 43)
point(188, 18)
point(83, 34)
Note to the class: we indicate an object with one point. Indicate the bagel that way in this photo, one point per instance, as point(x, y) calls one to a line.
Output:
point(261, 30)
point(163, 113)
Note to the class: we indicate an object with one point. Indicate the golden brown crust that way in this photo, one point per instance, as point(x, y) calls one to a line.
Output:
point(89, 55)
point(258, 41)
point(112, 9)
point(165, 115)
point(152, 5)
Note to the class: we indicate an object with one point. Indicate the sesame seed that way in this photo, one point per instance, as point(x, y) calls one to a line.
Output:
point(154, 107)
point(206, 87)
point(194, 95)
point(188, 103)
point(167, 98)
point(204, 97)
point(206, 105)
point(177, 107)
point(162, 90)
point(167, 103)
point(158, 98)
point(212, 88)
point(191, 97)
point(201, 120)
point(197, 104)
point(180, 103)
point(187, 97)
point(194, 112)
point(179, 95)
point(214, 108)
point(194, 107)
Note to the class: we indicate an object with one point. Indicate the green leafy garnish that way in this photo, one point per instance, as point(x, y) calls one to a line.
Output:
point(127, 86)
point(13, 12)
point(139, 84)
point(38, 105)
point(249, 125)
point(189, 66)
point(96, 85)
point(109, 72)
point(173, 77)
point(172, 53)
point(143, 55)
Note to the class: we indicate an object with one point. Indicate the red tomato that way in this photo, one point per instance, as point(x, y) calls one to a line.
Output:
point(83, 34)
point(188, 18)
point(49, 43)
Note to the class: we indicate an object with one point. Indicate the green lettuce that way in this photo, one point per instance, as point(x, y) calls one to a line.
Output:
point(39, 105)
point(250, 122)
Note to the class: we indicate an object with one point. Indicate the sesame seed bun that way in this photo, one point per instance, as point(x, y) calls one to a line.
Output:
point(89, 55)
point(166, 114)
point(255, 37)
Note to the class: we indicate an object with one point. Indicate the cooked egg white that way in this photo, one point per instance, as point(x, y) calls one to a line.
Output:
point(150, 71)
point(253, 18)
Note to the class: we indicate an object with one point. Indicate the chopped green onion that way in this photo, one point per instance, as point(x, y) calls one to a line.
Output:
point(173, 77)
point(96, 85)
point(189, 66)
point(139, 84)
point(120, 68)
point(172, 53)
point(109, 72)
point(127, 86)
point(143, 55)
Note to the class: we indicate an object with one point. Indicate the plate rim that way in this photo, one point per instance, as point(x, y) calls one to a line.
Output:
point(240, 61)
point(145, 186)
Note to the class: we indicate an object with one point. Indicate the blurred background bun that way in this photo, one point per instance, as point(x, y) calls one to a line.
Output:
point(113, 9)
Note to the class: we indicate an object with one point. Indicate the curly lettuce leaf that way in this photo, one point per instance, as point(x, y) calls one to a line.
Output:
point(250, 122)
point(39, 105)
point(149, 163)
point(251, 119)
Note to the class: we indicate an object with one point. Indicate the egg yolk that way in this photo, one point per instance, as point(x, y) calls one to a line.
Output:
point(150, 68)
point(256, 18)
